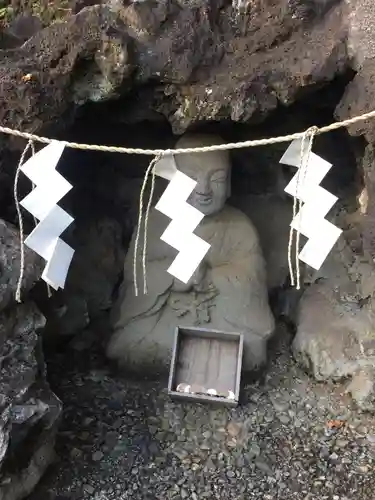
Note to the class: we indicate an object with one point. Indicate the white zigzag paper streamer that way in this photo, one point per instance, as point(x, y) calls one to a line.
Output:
point(310, 221)
point(42, 203)
point(185, 219)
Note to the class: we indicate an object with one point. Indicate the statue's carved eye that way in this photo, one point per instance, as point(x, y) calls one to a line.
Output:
point(192, 176)
point(219, 176)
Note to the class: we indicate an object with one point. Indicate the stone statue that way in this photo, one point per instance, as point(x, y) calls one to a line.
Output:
point(227, 292)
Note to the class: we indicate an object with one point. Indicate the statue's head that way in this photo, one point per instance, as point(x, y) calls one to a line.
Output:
point(210, 170)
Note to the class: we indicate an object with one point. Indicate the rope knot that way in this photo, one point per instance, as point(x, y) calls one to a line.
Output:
point(311, 131)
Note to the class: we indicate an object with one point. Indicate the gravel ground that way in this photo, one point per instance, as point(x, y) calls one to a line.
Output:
point(289, 439)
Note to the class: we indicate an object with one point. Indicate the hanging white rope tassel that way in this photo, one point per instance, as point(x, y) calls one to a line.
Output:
point(150, 168)
point(152, 189)
point(305, 158)
point(298, 204)
point(290, 242)
point(29, 145)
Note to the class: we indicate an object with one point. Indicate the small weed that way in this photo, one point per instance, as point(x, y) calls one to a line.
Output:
point(48, 11)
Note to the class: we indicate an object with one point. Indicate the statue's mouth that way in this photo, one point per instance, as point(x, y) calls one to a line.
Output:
point(204, 200)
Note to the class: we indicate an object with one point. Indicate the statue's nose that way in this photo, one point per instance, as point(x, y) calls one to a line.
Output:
point(203, 188)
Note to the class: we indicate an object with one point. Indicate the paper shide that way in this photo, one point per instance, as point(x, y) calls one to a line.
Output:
point(42, 203)
point(184, 220)
point(317, 202)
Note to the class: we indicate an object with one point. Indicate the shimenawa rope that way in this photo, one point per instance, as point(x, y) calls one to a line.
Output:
point(157, 153)
point(202, 149)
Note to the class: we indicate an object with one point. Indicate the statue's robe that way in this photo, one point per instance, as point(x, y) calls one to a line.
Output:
point(233, 294)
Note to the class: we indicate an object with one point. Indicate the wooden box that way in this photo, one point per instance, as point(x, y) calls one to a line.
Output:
point(204, 360)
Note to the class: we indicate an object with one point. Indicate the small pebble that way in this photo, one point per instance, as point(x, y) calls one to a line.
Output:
point(341, 443)
point(98, 455)
point(89, 489)
point(284, 419)
point(118, 423)
point(75, 453)
point(263, 466)
point(234, 429)
point(180, 453)
point(280, 406)
point(87, 421)
point(253, 451)
point(363, 469)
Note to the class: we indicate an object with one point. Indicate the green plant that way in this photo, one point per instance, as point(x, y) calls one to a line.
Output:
point(6, 14)
point(49, 11)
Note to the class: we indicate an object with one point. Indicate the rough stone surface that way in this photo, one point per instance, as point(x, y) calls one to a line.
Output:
point(23, 27)
point(358, 99)
point(290, 437)
point(66, 314)
point(361, 43)
point(78, 46)
point(10, 260)
point(362, 389)
point(98, 263)
point(238, 67)
point(366, 220)
point(29, 410)
point(93, 277)
point(335, 324)
point(359, 95)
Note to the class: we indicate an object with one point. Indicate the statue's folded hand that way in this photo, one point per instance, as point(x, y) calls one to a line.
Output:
point(195, 280)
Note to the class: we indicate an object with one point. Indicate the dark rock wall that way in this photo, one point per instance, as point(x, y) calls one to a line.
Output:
point(29, 411)
point(229, 66)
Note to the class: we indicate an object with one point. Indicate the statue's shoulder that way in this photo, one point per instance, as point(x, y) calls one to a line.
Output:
point(230, 229)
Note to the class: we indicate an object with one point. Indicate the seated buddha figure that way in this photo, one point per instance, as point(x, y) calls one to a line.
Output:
point(227, 292)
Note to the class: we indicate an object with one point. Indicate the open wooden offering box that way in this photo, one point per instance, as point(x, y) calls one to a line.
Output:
point(206, 366)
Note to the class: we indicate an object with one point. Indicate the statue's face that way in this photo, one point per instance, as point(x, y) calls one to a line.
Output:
point(213, 180)
point(210, 193)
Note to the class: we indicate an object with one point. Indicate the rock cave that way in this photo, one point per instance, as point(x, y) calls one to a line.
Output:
point(74, 424)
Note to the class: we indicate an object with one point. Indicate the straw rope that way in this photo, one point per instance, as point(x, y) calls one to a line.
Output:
point(157, 153)
point(202, 149)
